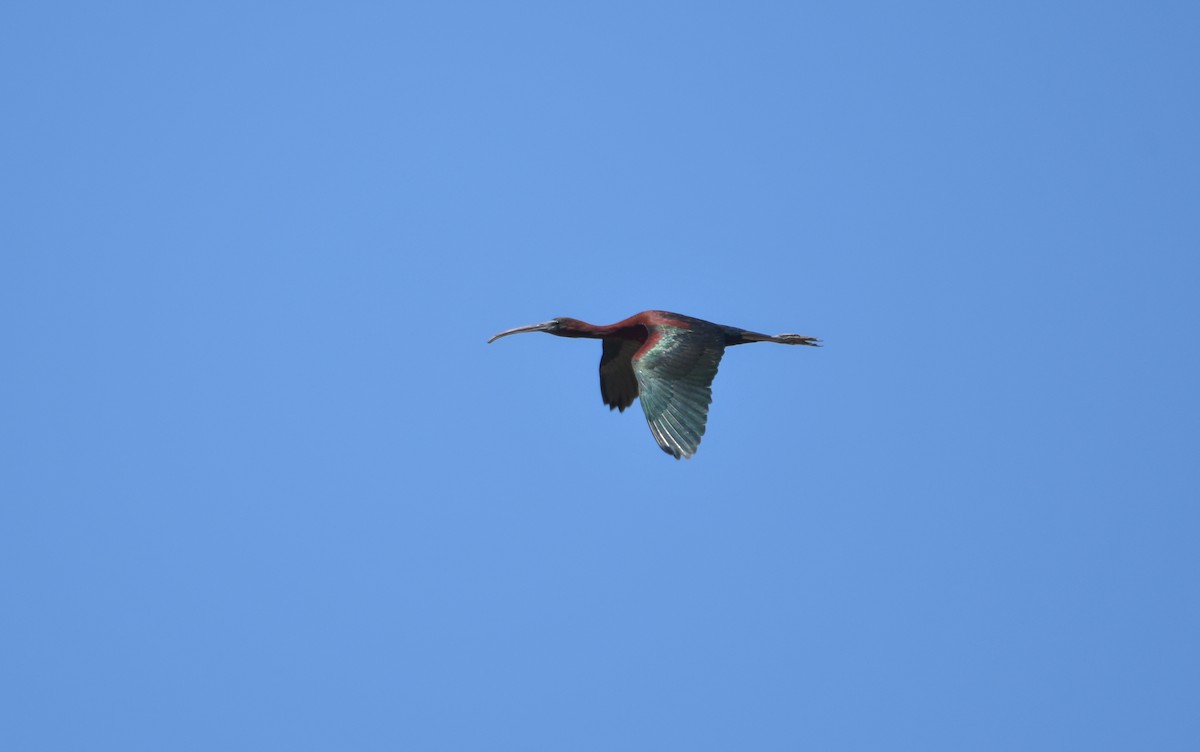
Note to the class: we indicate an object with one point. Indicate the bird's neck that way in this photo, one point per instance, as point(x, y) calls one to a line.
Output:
point(582, 330)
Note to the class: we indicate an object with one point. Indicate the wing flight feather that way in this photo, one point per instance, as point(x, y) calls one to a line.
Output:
point(674, 371)
point(618, 385)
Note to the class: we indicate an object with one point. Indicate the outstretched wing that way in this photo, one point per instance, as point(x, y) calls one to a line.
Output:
point(618, 385)
point(675, 371)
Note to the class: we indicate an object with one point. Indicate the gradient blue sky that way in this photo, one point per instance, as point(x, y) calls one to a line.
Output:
point(265, 487)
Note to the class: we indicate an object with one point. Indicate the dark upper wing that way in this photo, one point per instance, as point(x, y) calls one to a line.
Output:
point(618, 385)
point(675, 371)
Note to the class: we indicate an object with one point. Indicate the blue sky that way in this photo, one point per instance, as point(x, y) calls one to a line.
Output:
point(266, 487)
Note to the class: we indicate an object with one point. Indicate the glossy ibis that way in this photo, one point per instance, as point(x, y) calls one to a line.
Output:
point(667, 359)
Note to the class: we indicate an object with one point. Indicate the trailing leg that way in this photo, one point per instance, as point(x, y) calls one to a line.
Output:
point(741, 337)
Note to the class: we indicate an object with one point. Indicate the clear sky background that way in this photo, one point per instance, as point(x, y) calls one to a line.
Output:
point(266, 487)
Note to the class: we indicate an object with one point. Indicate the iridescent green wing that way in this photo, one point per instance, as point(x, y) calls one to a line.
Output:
point(675, 371)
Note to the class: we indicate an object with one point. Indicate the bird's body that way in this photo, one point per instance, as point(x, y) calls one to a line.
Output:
point(667, 359)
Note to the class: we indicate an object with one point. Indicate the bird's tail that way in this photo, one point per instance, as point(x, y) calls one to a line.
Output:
point(783, 339)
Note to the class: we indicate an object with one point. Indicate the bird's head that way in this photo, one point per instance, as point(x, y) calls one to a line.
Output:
point(557, 326)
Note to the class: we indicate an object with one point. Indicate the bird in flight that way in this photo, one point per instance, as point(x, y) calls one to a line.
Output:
point(667, 359)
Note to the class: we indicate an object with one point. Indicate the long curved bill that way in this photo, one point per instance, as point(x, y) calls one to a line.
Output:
point(520, 329)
